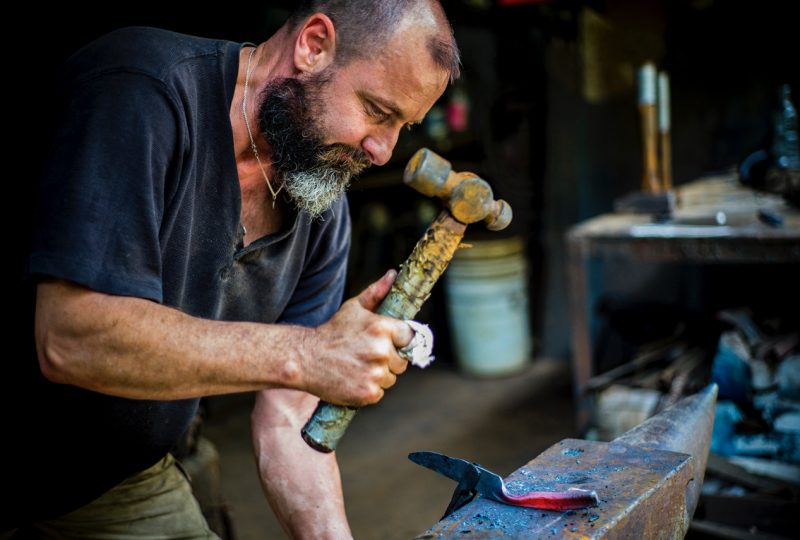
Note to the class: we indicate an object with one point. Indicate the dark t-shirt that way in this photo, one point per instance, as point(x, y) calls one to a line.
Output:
point(141, 198)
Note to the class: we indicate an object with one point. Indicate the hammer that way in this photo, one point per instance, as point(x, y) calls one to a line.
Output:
point(468, 199)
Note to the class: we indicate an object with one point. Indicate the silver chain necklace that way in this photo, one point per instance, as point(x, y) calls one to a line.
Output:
point(250, 131)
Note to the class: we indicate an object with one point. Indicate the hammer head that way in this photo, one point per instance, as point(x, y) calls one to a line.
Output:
point(468, 197)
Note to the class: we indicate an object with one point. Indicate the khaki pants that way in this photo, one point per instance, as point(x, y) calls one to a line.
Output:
point(154, 504)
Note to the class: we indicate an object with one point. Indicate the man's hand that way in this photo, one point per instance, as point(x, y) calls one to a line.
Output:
point(352, 359)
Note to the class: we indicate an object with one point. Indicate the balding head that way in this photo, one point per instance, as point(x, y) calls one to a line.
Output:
point(365, 26)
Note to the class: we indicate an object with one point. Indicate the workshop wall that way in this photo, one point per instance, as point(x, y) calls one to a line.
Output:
point(726, 62)
point(551, 118)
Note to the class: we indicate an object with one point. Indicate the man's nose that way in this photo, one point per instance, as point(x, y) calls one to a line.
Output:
point(379, 146)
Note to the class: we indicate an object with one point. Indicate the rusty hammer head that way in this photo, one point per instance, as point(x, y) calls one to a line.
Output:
point(468, 197)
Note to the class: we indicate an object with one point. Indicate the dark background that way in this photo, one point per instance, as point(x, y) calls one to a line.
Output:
point(553, 125)
point(555, 152)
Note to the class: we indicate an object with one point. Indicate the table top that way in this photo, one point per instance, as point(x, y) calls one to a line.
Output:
point(712, 207)
point(715, 219)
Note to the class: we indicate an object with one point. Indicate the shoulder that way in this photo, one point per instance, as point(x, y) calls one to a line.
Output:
point(147, 51)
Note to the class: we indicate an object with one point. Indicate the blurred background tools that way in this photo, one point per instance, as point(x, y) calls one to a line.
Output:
point(656, 195)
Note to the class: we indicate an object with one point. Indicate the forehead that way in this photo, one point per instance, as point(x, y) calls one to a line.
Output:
point(403, 72)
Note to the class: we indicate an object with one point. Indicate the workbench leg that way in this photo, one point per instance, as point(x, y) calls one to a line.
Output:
point(581, 339)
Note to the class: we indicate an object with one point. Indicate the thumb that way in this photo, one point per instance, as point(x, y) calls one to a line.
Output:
point(371, 297)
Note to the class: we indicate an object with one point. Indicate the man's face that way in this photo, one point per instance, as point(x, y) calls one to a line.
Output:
point(325, 128)
point(313, 172)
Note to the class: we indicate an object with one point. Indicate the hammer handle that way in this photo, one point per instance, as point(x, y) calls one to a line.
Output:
point(650, 181)
point(413, 286)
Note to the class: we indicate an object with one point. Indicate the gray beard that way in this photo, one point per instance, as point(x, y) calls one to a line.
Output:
point(316, 190)
point(314, 174)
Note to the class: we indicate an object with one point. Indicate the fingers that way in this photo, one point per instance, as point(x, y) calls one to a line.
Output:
point(389, 335)
point(371, 297)
point(363, 346)
point(389, 380)
point(398, 365)
point(402, 335)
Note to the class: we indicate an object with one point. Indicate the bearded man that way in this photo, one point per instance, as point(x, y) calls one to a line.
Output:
point(191, 239)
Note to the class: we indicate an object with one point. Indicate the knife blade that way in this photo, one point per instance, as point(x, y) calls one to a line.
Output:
point(491, 485)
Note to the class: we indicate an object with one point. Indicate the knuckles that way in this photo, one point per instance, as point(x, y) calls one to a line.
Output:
point(372, 394)
point(380, 350)
point(364, 343)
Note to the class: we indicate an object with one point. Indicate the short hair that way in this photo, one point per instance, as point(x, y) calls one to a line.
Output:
point(365, 25)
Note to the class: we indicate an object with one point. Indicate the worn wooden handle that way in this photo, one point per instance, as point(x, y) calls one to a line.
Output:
point(650, 181)
point(413, 286)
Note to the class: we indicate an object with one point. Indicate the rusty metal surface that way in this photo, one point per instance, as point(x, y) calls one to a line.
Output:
point(647, 480)
point(469, 197)
point(641, 496)
point(428, 173)
point(685, 427)
point(473, 479)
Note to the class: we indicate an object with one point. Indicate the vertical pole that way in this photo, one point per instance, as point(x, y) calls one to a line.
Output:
point(647, 111)
point(582, 361)
point(664, 130)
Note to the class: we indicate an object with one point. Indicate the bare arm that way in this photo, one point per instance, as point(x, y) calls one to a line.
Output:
point(303, 486)
point(136, 348)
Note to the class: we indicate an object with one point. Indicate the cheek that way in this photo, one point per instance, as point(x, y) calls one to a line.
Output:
point(343, 123)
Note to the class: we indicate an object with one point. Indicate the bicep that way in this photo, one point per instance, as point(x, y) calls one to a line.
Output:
point(61, 305)
point(68, 316)
point(101, 197)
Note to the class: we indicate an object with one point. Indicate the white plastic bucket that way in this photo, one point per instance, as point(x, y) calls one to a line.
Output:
point(487, 306)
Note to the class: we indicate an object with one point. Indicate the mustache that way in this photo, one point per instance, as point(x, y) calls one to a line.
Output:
point(343, 158)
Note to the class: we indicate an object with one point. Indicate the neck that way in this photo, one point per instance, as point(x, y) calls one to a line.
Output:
point(258, 215)
point(267, 64)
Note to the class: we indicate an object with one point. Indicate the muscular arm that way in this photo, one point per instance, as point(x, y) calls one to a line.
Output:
point(136, 348)
point(303, 486)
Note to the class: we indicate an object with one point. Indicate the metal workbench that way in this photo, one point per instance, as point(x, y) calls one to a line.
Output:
point(695, 235)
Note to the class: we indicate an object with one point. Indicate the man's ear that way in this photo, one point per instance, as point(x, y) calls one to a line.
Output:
point(315, 46)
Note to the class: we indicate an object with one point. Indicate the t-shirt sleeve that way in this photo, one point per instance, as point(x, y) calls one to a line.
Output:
point(321, 287)
point(101, 197)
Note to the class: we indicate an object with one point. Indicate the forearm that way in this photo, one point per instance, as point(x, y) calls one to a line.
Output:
point(135, 348)
point(303, 486)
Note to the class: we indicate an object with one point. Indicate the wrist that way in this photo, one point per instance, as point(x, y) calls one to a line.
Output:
point(295, 372)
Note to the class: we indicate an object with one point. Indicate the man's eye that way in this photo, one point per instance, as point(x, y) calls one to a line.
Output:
point(376, 112)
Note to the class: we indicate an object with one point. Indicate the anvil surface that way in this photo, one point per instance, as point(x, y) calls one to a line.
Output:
point(642, 494)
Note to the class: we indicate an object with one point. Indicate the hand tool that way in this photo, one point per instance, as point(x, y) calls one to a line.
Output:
point(664, 128)
point(468, 199)
point(473, 479)
point(647, 110)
